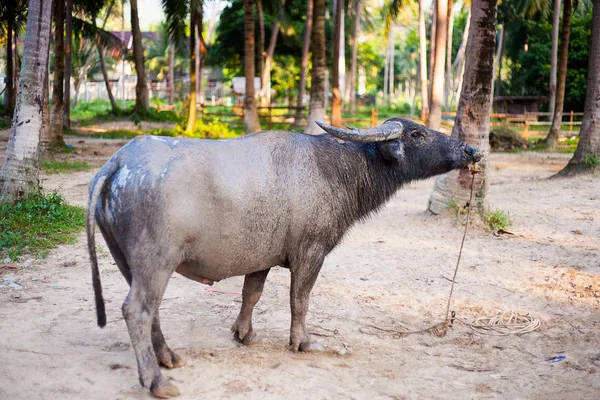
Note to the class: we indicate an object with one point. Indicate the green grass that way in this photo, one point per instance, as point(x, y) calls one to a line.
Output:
point(497, 219)
point(592, 161)
point(37, 224)
point(64, 167)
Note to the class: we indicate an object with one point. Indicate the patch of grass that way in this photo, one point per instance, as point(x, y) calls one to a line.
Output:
point(497, 219)
point(64, 167)
point(37, 224)
point(456, 210)
point(591, 161)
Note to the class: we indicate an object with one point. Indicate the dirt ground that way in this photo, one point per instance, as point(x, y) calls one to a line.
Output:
point(392, 271)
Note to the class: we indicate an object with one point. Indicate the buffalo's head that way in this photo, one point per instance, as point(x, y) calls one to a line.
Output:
point(419, 151)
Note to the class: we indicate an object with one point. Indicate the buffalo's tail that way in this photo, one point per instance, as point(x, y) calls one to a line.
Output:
point(95, 192)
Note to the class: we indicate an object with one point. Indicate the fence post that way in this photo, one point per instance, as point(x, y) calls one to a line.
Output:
point(373, 116)
point(270, 117)
point(571, 125)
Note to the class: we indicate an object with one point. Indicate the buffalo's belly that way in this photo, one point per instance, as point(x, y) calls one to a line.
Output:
point(210, 269)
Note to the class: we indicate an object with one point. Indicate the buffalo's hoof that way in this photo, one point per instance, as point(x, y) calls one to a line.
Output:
point(170, 359)
point(309, 347)
point(165, 390)
point(251, 339)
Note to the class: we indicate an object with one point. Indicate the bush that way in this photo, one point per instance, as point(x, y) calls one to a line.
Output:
point(38, 223)
point(591, 161)
point(497, 219)
point(208, 130)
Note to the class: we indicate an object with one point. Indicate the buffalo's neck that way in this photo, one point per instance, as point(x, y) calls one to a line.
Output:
point(362, 181)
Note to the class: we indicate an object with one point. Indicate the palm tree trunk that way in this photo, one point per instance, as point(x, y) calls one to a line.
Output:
point(266, 73)
point(171, 73)
point(304, 62)
point(77, 86)
point(10, 69)
point(432, 49)
point(554, 57)
point(459, 62)
point(473, 115)
point(336, 103)
point(201, 46)
point(261, 37)
point(191, 124)
point(552, 138)
point(68, 66)
point(316, 110)
point(142, 100)
point(19, 172)
point(437, 86)
point(353, 63)
point(448, 79)
point(498, 64)
point(589, 135)
point(392, 43)
point(55, 137)
point(113, 102)
point(423, 64)
point(251, 121)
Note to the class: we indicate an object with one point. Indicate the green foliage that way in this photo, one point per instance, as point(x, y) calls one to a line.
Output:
point(459, 212)
point(212, 129)
point(285, 76)
point(592, 161)
point(527, 72)
point(64, 167)
point(497, 219)
point(5, 123)
point(38, 223)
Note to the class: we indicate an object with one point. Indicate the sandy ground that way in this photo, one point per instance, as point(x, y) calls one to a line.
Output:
point(391, 271)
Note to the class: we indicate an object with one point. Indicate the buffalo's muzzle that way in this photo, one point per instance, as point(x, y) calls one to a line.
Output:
point(473, 152)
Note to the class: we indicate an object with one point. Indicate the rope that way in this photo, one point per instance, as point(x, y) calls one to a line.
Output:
point(508, 323)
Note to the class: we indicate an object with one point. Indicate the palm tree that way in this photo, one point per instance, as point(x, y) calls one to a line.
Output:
point(113, 103)
point(448, 77)
point(554, 57)
point(265, 96)
point(473, 115)
point(19, 172)
point(423, 63)
point(304, 62)
point(353, 63)
point(552, 138)
point(588, 148)
point(437, 84)
point(251, 121)
point(12, 20)
point(68, 63)
point(191, 124)
point(55, 137)
point(142, 100)
point(336, 103)
point(316, 109)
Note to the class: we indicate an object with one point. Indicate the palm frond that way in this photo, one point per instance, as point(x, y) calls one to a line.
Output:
point(176, 12)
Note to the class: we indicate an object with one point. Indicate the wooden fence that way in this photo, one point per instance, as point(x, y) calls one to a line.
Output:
point(273, 115)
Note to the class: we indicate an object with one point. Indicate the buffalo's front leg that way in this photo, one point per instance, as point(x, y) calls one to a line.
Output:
point(253, 287)
point(304, 275)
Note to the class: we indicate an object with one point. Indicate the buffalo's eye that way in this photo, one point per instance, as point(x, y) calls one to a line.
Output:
point(417, 135)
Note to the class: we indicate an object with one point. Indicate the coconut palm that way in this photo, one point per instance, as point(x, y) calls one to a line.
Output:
point(588, 148)
point(552, 138)
point(437, 83)
point(353, 62)
point(473, 115)
point(19, 172)
point(336, 102)
point(68, 63)
point(316, 110)
point(13, 16)
point(142, 99)
point(251, 121)
point(304, 62)
point(55, 137)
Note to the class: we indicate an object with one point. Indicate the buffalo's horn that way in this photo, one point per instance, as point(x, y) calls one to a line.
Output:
point(388, 131)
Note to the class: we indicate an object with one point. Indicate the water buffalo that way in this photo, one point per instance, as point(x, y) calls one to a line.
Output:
point(210, 210)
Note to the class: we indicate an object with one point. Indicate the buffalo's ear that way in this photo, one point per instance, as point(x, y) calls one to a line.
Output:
point(392, 150)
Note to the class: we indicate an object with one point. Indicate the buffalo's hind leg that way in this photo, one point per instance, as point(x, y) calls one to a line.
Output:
point(304, 275)
point(253, 287)
point(164, 354)
point(139, 310)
